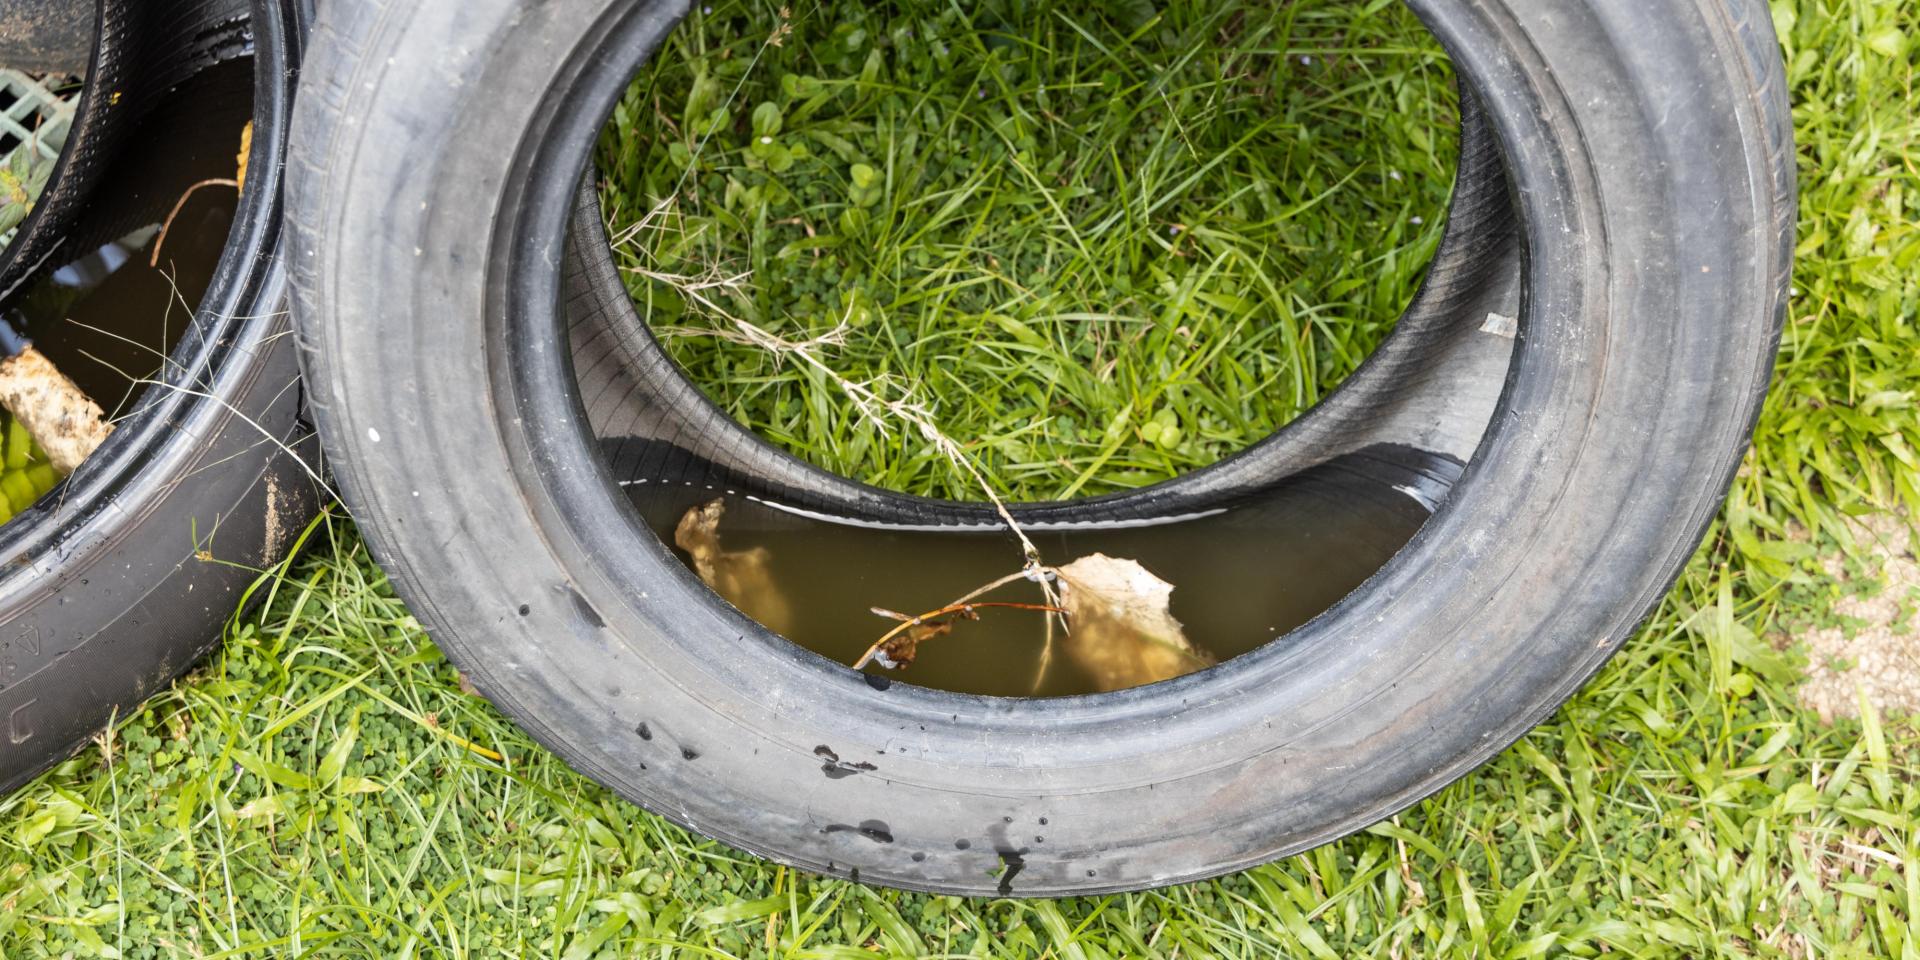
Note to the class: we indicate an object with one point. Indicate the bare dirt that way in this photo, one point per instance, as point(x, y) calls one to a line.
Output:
point(1875, 646)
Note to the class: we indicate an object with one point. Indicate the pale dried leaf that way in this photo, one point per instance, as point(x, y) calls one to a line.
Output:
point(269, 806)
point(743, 577)
point(1120, 628)
point(359, 785)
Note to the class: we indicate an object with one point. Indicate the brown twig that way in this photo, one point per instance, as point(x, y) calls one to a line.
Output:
point(933, 618)
point(867, 400)
point(956, 606)
point(154, 261)
point(912, 621)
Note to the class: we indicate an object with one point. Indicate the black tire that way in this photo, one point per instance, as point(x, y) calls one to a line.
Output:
point(46, 36)
point(122, 576)
point(141, 51)
point(1650, 154)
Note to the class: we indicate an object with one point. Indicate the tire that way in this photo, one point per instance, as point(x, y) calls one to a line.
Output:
point(46, 36)
point(122, 577)
point(140, 52)
point(437, 155)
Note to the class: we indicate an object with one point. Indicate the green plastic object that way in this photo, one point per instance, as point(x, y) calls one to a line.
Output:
point(25, 474)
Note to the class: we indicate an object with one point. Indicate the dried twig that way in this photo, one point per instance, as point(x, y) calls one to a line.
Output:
point(870, 403)
point(914, 620)
point(897, 648)
point(953, 606)
point(154, 261)
point(832, 338)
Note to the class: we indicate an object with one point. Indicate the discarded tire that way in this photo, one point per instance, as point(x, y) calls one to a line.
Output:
point(122, 577)
point(1652, 181)
point(140, 53)
point(46, 36)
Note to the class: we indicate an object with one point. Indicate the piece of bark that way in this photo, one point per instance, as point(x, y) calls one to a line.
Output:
point(62, 419)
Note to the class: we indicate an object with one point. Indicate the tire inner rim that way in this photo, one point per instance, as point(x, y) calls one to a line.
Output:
point(565, 479)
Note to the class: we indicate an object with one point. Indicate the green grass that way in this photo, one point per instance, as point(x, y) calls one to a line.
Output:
point(1100, 248)
point(323, 788)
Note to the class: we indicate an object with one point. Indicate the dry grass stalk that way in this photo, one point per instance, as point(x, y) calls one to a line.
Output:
point(868, 397)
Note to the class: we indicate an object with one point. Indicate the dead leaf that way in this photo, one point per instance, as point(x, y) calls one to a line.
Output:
point(899, 652)
point(743, 577)
point(270, 806)
point(240, 160)
point(1120, 628)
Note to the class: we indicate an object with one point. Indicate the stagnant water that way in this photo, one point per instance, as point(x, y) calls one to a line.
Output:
point(1242, 575)
point(106, 316)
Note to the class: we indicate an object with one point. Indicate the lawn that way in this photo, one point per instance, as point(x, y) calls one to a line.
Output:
point(1088, 292)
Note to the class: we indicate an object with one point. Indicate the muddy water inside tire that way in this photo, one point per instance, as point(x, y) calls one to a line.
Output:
point(1245, 572)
